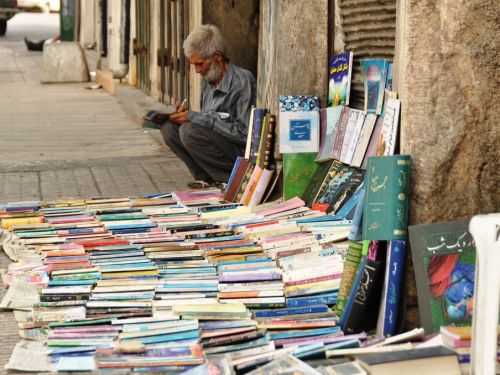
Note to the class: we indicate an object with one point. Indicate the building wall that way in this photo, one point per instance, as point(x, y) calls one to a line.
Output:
point(88, 22)
point(293, 50)
point(449, 84)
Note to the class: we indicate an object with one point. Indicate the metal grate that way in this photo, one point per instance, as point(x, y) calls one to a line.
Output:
point(368, 29)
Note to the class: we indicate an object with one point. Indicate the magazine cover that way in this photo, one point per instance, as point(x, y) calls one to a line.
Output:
point(340, 79)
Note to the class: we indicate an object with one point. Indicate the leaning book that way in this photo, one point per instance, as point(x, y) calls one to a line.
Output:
point(443, 256)
point(340, 71)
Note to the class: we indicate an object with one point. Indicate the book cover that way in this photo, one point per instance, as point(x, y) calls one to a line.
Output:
point(299, 124)
point(233, 186)
point(351, 264)
point(249, 133)
point(261, 187)
point(396, 259)
point(339, 87)
point(374, 76)
point(374, 140)
point(329, 123)
point(340, 133)
point(297, 172)
point(443, 256)
point(339, 188)
point(386, 144)
point(250, 188)
point(362, 317)
point(351, 137)
point(244, 182)
point(385, 216)
point(266, 146)
point(316, 181)
point(364, 140)
point(258, 131)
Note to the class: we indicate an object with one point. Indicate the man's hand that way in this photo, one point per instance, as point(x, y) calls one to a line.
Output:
point(179, 118)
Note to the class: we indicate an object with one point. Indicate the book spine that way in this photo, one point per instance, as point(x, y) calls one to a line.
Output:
point(249, 135)
point(395, 269)
point(340, 134)
point(258, 125)
point(267, 155)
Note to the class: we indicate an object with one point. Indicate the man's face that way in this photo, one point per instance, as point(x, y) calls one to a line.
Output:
point(211, 68)
point(201, 65)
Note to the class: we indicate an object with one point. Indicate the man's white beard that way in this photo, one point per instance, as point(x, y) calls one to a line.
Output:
point(214, 73)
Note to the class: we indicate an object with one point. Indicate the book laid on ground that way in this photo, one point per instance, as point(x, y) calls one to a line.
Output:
point(443, 256)
point(374, 76)
point(339, 87)
point(299, 124)
point(387, 197)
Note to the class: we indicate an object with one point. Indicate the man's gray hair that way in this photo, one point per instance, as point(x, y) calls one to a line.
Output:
point(205, 40)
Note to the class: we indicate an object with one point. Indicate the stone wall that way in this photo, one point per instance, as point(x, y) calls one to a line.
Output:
point(293, 50)
point(449, 80)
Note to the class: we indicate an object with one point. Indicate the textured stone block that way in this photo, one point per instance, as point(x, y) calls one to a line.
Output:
point(451, 113)
point(64, 62)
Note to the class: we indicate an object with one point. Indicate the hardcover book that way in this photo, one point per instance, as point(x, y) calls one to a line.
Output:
point(387, 196)
point(444, 260)
point(299, 124)
point(340, 69)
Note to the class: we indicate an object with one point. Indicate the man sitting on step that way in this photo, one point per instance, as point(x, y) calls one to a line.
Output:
point(209, 141)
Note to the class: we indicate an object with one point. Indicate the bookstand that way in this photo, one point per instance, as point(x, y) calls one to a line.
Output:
point(485, 230)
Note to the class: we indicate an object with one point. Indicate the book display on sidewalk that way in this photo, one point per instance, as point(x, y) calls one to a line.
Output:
point(189, 281)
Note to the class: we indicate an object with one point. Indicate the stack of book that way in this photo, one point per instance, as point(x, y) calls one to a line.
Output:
point(255, 283)
point(72, 345)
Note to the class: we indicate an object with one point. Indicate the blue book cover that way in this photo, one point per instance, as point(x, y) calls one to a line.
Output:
point(303, 333)
point(356, 228)
point(320, 299)
point(375, 77)
point(291, 311)
point(339, 86)
point(395, 270)
point(352, 293)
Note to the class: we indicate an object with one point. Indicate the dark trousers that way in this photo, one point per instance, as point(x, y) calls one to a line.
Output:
point(209, 156)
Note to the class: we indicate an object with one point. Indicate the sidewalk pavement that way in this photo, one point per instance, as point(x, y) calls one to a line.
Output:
point(62, 140)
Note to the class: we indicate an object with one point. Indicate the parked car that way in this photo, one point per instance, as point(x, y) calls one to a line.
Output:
point(43, 5)
point(8, 8)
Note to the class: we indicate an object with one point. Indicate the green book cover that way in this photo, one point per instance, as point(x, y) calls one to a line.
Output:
point(444, 258)
point(316, 182)
point(351, 265)
point(385, 215)
point(298, 170)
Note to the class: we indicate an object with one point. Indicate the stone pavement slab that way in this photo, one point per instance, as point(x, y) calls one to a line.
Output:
point(63, 141)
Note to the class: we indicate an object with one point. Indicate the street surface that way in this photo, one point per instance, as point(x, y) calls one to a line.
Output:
point(62, 140)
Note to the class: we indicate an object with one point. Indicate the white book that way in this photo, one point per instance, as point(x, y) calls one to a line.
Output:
point(249, 135)
point(364, 140)
point(261, 187)
point(68, 290)
point(175, 302)
point(350, 133)
point(355, 138)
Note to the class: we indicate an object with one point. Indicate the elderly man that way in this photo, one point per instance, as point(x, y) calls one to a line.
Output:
point(209, 141)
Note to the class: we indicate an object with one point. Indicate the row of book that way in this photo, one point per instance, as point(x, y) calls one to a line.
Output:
point(281, 269)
